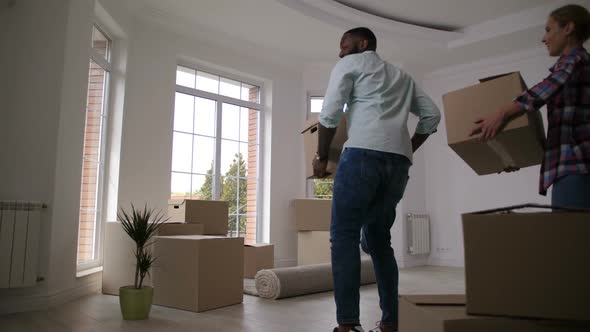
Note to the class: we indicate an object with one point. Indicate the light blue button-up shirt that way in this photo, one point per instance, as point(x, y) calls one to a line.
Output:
point(379, 97)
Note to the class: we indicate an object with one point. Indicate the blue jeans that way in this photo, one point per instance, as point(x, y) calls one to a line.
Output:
point(367, 188)
point(572, 191)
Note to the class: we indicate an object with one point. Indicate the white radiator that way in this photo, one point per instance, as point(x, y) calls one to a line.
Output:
point(418, 234)
point(20, 224)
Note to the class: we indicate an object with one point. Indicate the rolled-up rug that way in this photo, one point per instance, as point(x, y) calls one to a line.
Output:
point(301, 280)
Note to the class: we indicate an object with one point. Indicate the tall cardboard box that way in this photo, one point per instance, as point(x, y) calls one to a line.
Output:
point(313, 247)
point(173, 228)
point(446, 313)
point(213, 215)
point(257, 257)
point(310, 142)
point(519, 145)
point(197, 272)
point(528, 264)
point(312, 214)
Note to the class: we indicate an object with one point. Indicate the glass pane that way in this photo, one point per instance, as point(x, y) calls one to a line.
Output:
point(316, 104)
point(182, 148)
point(180, 185)
point(205, 110)
point(253, 125)
point(229, 88)
point(250, 93)
point(207, 82)
point(202, 187)
point(185, 76)
point(101, 43)
point(203, 154)
point(323, 188)
point(243, 171)
point(231, 225)
point(230, 122)
point(183, 112)
point(229, 158)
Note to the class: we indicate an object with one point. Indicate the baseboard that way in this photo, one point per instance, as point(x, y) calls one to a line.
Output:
point(44, 300)
point(436, 261)
point(285, 262)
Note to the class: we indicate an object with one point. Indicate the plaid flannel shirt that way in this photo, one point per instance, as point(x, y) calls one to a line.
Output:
point(566, 92)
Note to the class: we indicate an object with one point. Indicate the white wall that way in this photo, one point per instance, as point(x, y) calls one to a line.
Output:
point(452, 187)
point(44, 117)
point(147, 127)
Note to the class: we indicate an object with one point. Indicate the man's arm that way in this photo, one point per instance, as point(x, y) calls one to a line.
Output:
point(418, 140)
point(325, 136)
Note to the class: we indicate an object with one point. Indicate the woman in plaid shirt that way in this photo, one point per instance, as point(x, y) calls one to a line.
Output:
point(566, 91)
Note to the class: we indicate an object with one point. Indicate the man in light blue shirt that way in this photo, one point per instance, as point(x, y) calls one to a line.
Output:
point(373, 168)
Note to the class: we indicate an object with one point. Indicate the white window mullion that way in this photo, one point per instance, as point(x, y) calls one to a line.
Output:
point(219, 98)
point(217, 183)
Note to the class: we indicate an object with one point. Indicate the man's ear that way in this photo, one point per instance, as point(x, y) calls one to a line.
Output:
point(364, 44)
point(569, 28)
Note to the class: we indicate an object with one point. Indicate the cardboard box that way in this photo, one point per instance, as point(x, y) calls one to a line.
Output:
point(257, 257)
point(213, 215)
point(521, 142)
point(168, 229)
point(310, 142)
point(197, 272)
point(313, 247)
point(312, 214)
point(446, 313)
point(529, 264)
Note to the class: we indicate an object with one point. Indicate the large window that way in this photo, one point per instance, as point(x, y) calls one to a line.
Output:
point(216, 144)
point(94, 144)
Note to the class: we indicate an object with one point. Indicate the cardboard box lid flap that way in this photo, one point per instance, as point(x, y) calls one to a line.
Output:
point(258, 245)
point(194, 237)
point(533, 206)
point(447, 299)
point(489, 78)
point(311, 126)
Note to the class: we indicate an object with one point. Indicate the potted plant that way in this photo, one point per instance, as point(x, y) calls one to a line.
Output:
point(141, 225)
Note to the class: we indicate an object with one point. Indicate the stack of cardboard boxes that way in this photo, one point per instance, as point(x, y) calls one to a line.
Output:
point(312, 220)
point(523, 271)
point(199, 267)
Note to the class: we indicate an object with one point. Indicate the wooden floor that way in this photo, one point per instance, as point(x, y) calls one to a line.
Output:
point(306, 313)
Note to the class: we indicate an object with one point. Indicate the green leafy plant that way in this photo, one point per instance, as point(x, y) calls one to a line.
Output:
point(142, 224)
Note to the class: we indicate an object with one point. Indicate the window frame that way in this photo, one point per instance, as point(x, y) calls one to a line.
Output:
point(220, 100)
point(107, 65)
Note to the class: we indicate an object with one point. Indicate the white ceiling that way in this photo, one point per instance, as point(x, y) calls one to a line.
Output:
point(309, 30)
point(442, 14)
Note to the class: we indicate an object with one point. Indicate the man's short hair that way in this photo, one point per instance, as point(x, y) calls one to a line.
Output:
point(365, 34)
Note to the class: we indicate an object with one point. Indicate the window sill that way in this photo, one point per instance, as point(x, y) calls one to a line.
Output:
point(87, 272)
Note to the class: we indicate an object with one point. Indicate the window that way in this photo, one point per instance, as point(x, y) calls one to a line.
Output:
point(216, 145)
point(318, 188)
point(93, 157)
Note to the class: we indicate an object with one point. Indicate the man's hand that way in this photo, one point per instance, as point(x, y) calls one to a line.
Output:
point(319, 167)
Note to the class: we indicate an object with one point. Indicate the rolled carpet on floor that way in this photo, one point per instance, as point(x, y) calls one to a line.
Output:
point(301, 280)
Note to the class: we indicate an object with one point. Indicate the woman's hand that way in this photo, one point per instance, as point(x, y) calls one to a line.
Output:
point(492, 125)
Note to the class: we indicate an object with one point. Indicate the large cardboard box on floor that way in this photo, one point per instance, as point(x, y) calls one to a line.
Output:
point(310, 143)
point(257, 257)
point(312, 214)
point(177, 228)
point(519, 145)
point(197, 272)
point(446, 313)
point(528, 264)
point(213, 215)
point(313, 247)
